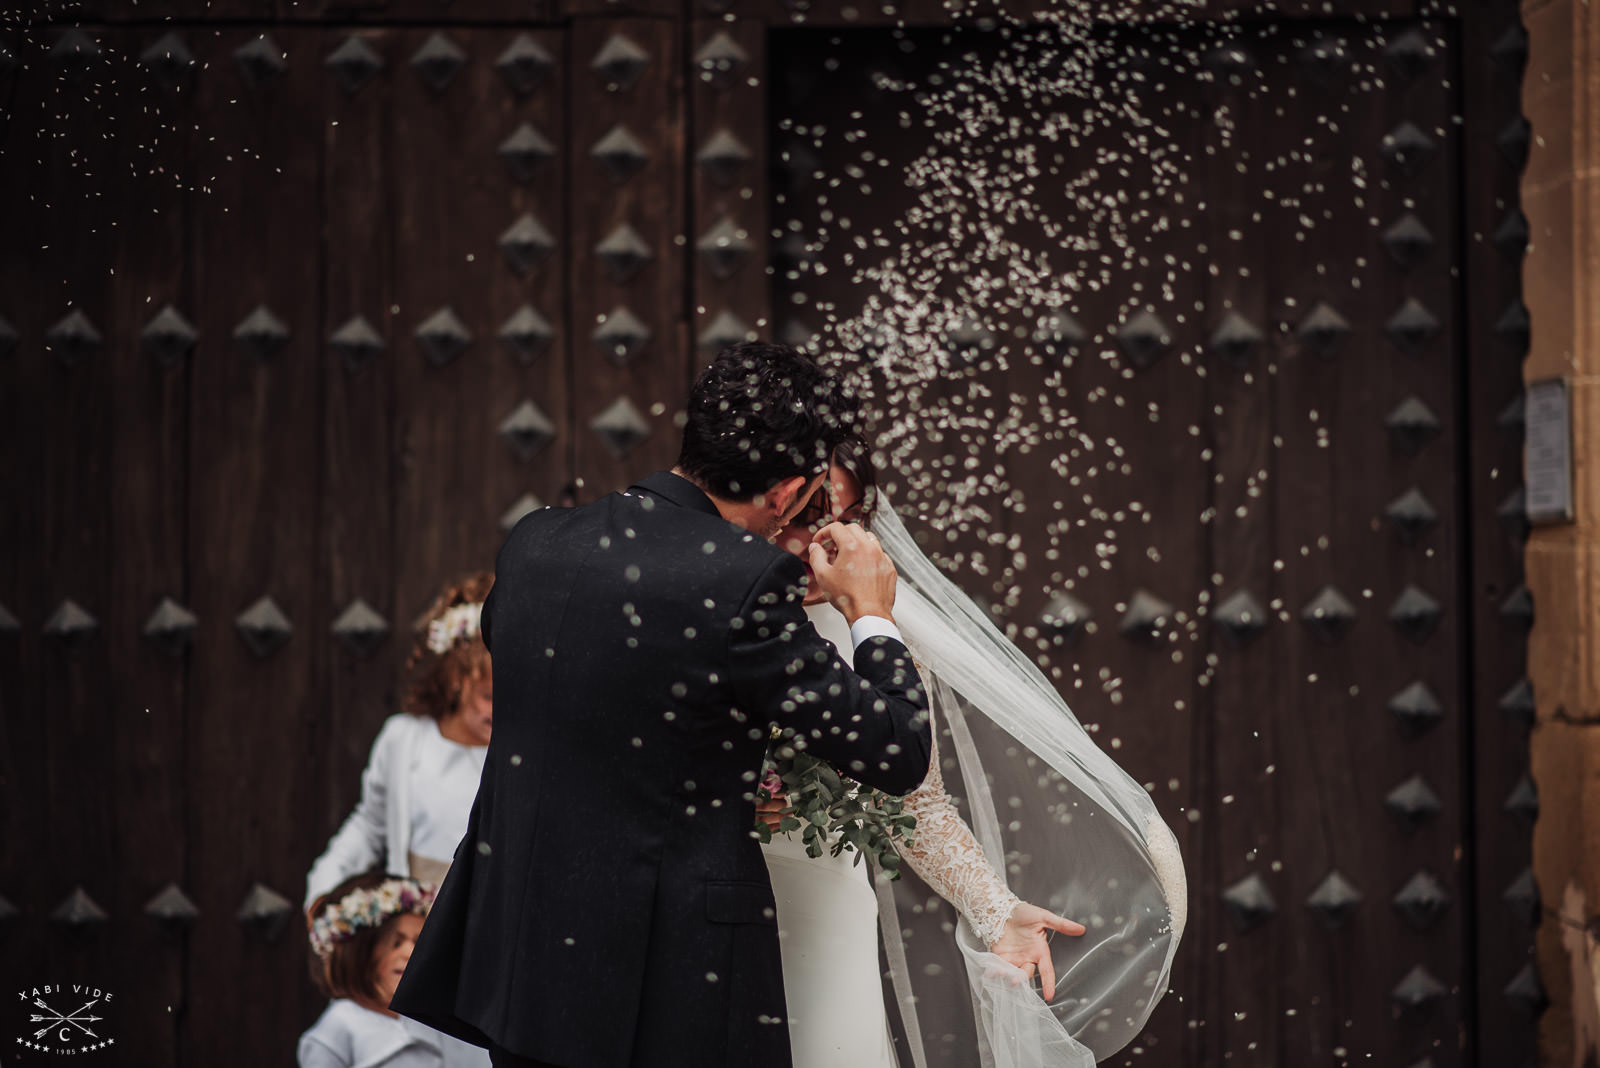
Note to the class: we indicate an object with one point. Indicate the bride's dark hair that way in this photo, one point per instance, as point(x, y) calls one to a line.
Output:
point(854, 454)
point(759, 414)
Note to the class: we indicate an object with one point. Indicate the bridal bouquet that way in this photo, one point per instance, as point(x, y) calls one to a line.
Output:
point(836, 812)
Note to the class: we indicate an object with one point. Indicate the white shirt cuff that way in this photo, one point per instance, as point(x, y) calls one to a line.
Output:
point(873, 627)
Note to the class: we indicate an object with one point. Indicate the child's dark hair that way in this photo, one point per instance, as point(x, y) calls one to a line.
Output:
point(435, 681)
point(347, 972)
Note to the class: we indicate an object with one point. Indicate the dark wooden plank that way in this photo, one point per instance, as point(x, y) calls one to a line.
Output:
point(425, 12)
point(1240, 997)
point(620, 9)
point(843, 14)
point(1500, 848)
point(1310, 9)
point(1128, 520)
point(459, 475)
point(358, 427)
point(31, 173)
point(728, 102)
point(149, 440)
point(70, 248)
point(255, 487)
point(651, 202)
point(1337, 472)
point(1116, 493)
point(177, 12)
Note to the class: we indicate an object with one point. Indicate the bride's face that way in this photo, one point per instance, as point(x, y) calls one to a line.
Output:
point(837, 500)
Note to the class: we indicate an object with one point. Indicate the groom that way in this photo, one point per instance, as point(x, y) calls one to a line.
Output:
point(609, 906)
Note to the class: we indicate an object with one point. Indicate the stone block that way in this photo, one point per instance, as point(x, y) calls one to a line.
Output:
point(1550, 282)
point(1565, 764)
point(1564, 578)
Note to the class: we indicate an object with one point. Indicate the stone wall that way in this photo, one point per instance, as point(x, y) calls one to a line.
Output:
point(1561, 197)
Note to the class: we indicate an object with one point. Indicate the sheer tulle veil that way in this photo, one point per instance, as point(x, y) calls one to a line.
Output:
point(1068, 829)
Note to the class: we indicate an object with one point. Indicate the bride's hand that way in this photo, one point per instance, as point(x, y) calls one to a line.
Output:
point(771, 812)
point(1024, 943)
point(852, 571)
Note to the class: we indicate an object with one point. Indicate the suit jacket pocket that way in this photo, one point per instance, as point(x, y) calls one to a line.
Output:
point(736, 902)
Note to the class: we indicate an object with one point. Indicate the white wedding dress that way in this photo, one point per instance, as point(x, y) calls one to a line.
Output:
point(828, 916)
point(1052, 817)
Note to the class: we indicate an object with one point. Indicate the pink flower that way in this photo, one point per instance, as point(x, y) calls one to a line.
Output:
point(771, 783)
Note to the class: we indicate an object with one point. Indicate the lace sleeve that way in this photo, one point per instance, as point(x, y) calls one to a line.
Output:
point(948, 858)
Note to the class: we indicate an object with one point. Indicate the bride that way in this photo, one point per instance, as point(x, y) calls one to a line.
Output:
point(1079, 834)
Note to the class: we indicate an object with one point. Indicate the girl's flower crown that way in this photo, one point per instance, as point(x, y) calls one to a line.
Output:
point(367, 908)
point(458, 622)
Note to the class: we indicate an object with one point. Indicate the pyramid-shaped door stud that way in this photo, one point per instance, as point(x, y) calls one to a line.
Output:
point(1329, 614)
point(356, 342)
point(260, 61)
point(168, 337)
point(721, 60)
point(261, 334)
point(527, 429)
point(437, 61)
point(624, 253)
point(1064, 618)
point(1334, 900)
point(621, 336)
point(620, 154)
point(360, 628)
point(525, 150)
point(1249, 903)
point(723, 157)
point(526, 334)
point(1144, 339)
point(1323, 331)
point(524, 64)
point(1413, 803)
point(1407, 241)
point(171, 626)
point(620, 62)
point(263, 627)
point(354, 63)
point(1416, 710)
point(1241, 618)
point(443, 337)
point(526, 244)
point(621, 427)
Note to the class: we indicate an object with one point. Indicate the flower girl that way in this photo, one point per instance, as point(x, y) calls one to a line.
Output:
point(417, 789)
point(361, 938)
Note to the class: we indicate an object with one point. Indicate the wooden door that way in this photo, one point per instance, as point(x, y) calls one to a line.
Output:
point(1195, 433)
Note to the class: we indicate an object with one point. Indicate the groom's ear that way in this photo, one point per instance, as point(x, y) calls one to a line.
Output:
point(785, 496)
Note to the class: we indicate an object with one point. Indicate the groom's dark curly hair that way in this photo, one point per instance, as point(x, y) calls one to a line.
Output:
point(759, 414)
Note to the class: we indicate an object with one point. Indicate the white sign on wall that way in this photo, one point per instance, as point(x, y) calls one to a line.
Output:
point(1549, 452)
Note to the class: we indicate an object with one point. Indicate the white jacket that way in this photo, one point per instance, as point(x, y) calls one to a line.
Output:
point(349, 1036)
point(379, 827)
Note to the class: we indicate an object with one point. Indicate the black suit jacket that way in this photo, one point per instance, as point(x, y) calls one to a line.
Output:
point(609, 906)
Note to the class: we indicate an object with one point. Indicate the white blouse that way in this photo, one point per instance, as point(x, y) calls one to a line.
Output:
point(416, 795)
point(446, 774)
point(349, 1036)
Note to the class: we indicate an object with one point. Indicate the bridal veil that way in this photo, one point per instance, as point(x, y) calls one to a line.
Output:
point(1066, 827)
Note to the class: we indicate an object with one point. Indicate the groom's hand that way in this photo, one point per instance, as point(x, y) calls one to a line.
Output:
point(852, 570)
point(1025, 943)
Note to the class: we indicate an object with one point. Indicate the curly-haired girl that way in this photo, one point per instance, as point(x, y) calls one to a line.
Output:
point(419, 783)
